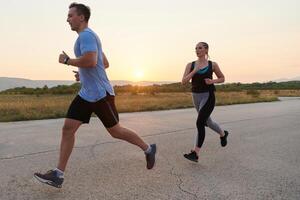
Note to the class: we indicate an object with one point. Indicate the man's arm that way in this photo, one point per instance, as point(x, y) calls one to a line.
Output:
point(105, 61)
point(89, 59)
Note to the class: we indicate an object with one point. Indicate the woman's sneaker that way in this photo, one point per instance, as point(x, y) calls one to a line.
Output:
point(192, 156)
point(224, 139)
point(51, 178)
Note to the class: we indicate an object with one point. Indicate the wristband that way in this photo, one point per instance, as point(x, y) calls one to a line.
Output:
point(66, 60)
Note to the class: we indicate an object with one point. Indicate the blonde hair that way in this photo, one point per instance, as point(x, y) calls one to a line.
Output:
point(206, 46)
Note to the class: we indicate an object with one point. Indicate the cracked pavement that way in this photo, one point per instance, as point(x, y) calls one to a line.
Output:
point(261, 160)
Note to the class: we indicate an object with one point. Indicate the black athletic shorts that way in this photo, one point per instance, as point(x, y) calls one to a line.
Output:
point(105, 109)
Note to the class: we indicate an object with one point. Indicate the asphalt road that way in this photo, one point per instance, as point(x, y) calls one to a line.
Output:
point(261, 160)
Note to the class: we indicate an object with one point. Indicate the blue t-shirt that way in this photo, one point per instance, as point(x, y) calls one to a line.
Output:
point(94, 81)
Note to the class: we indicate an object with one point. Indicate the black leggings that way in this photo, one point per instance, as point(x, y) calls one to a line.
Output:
point(203, 115)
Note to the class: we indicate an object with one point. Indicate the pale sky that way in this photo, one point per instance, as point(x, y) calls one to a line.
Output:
point(251, 40)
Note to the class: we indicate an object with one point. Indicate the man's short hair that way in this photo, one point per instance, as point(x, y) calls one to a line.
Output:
point(82, 10)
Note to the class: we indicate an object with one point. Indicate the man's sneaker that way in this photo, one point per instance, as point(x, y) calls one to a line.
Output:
point(224, 139)
point(150, 157)
point(192, 156)
point(50, 178)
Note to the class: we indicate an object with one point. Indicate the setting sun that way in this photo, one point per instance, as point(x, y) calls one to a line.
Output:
point(138, 74)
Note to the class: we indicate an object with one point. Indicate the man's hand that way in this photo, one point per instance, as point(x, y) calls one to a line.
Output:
point(63, 58)
point(76, 75)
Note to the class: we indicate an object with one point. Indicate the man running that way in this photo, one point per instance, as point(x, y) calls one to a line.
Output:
point(95, 96)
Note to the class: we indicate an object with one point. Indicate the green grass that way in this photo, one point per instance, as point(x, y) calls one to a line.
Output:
point(31, 107)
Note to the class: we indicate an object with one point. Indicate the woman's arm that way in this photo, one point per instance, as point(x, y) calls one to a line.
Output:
point(188, 74)
point(220, 76)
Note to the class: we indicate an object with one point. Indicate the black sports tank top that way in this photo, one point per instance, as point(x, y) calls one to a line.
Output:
point(198, 83)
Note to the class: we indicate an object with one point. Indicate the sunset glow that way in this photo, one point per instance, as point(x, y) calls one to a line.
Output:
point(138, 75)
point(252, 41)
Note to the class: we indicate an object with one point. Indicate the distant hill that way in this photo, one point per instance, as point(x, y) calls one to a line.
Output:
point(8, 83)
point(287, 79)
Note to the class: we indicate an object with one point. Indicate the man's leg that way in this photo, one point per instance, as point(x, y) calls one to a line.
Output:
point(67, 141)
point(120, 132)
point(128, 135)
point(55, 177)
point(107, 112)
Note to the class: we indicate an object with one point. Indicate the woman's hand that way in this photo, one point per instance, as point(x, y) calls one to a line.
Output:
point(208, 81)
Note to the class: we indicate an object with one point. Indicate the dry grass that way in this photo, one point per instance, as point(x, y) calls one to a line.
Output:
point(228, 98)
point(285, 93)
point(29, 107)
point(146, 102)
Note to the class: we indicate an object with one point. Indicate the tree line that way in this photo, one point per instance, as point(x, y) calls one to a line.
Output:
point(172, 87)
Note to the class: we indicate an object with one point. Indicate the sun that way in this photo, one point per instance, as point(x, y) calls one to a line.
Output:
point(138, 74)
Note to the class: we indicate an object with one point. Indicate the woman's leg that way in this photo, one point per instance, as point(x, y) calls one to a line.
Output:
point(205, 102)
point(203, 115)
point(214, 126)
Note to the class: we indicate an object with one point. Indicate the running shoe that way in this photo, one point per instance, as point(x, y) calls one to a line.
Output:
point(224, 139)
point(50, 178)
point(150, 157)
point(192, 156)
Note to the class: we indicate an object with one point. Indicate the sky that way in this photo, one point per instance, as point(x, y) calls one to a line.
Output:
point(251, 40)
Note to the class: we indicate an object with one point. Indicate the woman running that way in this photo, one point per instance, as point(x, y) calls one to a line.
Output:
point(203, 93)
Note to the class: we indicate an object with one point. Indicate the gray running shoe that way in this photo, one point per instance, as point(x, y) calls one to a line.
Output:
point(50, 178)
point(150, 157)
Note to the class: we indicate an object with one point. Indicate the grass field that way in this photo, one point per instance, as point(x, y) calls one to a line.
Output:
point(31, 107)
